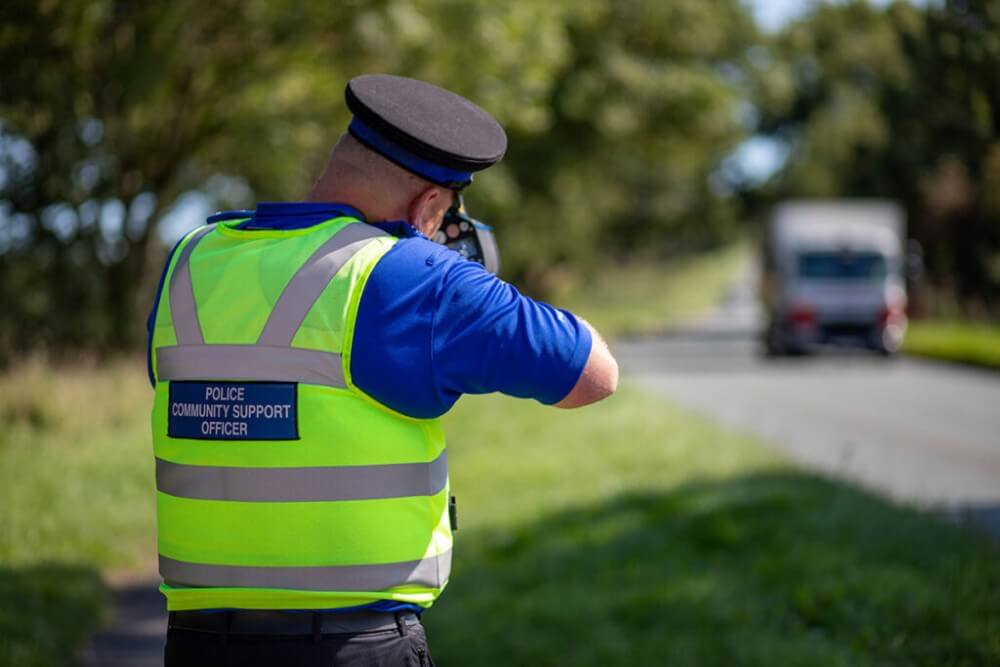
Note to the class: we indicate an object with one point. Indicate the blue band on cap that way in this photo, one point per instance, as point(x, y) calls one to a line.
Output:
point(443, 176)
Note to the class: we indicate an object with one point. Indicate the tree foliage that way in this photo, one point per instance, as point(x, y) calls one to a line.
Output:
point(114, 114)
point(899, 102)
point(113, 109)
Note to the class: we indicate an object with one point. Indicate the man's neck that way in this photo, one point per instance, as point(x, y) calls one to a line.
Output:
point(332, 195)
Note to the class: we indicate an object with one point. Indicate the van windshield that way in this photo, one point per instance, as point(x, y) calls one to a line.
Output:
point(841, 265)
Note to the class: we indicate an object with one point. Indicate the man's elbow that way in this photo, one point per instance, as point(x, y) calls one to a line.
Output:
point(608, 383)
point(598, 380)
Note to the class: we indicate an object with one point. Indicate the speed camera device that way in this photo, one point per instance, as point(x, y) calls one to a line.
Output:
point(469, 237)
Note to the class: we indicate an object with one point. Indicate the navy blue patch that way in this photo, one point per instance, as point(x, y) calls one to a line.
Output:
point(233, 411)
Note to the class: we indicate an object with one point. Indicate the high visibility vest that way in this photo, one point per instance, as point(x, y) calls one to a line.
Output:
point(280, 484)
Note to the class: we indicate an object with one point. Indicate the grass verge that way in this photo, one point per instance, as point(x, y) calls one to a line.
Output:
point(639, 534)
point(626, 534)
point(961, 342)
point(76, 475)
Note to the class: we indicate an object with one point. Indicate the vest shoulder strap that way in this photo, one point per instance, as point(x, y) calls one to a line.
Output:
point(272, 357)
point(305, 287)
point(183, 308)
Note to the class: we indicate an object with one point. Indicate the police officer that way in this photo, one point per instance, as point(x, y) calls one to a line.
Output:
point(302, 355)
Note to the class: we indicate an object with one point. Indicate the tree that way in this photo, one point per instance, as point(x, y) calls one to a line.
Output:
point(109, 110)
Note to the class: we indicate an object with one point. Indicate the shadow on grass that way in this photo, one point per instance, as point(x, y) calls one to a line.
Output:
point(46, 611)
point(767, 569)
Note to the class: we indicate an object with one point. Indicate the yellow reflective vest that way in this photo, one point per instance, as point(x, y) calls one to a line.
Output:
point(280, 484)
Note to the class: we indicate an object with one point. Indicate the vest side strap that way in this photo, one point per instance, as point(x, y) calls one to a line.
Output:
point(302, 484)
point(360, 578)
point(250, 362)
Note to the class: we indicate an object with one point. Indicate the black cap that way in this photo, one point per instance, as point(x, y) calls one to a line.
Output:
point(427, 130)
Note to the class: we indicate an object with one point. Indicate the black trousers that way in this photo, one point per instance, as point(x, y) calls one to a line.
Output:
point(404, 645)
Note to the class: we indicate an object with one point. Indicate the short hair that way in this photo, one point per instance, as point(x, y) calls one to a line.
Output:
point(351, 159)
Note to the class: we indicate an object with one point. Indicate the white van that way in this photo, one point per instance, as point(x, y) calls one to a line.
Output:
point(834, 272)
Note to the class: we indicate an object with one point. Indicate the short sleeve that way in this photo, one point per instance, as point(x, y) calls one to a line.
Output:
point(432, 326)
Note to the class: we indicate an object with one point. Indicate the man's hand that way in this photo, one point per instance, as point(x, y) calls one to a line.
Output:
point(599, 378)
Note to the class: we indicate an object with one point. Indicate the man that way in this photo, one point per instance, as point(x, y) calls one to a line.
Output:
point(302, 359)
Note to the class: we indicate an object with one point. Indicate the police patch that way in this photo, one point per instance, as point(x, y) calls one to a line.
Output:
point(233, 411)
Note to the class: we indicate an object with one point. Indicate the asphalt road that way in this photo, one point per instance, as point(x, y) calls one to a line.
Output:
point(917, 431)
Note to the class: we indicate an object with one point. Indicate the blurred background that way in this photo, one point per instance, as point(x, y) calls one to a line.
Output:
point(650, 142)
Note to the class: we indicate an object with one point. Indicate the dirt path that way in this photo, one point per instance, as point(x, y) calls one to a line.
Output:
point(134, 634)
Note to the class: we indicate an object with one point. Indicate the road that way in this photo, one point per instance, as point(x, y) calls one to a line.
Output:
point(917, 431)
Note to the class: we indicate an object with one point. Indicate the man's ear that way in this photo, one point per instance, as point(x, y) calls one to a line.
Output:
point(428, 208)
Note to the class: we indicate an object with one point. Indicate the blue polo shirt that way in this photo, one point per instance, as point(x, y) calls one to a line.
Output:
point(432, 325)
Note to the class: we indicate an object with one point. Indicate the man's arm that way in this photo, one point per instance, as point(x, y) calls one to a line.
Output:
point(599, 378)
point(432, 326)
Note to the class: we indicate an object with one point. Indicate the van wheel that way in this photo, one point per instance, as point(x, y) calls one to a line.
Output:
point(772, 343)
point(887, 343)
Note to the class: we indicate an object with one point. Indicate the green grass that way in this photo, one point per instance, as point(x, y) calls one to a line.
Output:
point(647, 296)
point(76, 466)
point(47, 610)
point(75, 500)
point(76, 473)
point(635, 533)
point(627, 533)
point(963, 342)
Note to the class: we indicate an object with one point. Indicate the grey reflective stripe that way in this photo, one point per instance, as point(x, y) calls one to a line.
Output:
point(249, 362)
point(432, 572)
point(320, 483)
point(183, 308)
point(311, 279)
